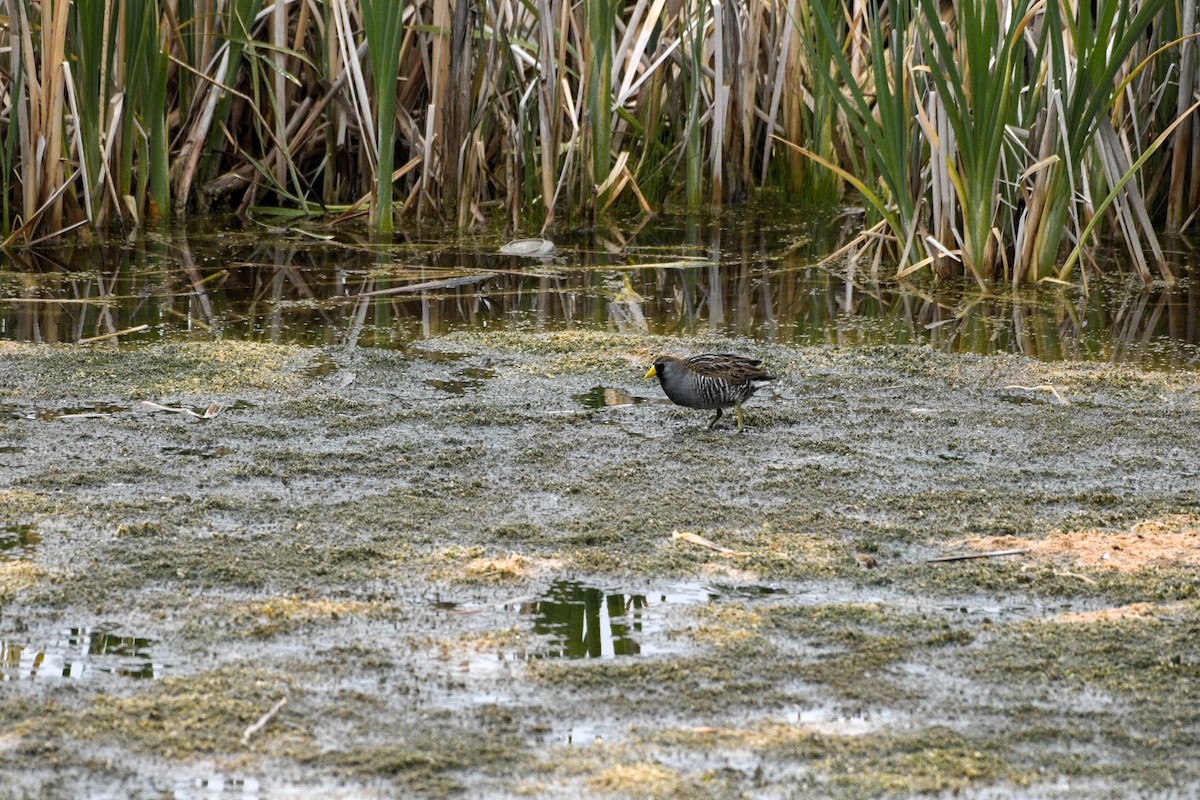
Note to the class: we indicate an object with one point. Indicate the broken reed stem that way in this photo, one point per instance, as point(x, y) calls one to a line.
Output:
point(262, 721)
point(112, 335)
point(970, 556)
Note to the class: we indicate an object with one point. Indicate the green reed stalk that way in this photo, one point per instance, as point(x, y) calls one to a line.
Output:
point(815, 123)
point(882, 126)
point(145, 66)
point(1119, 184)
point(692, 31)
point(10, 155)
point(89, 47)
point(194, 41)
point(548, 111)
point(655, 161)
point(130, 77)
point(975, 80)
point(1086, 79)
point(383, 25)
point(154, 115)
point(599, 17)
point(239, 19)
point(1181, 198)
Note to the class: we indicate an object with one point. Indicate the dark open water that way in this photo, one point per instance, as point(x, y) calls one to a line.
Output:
point(750, 275)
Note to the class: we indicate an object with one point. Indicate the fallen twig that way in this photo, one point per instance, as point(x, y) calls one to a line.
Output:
point(426, 286)
point(1045, 387)
point(1083, 578)
point(209, 412)
point(990, 554)
point(112, 335)
point(262, 721)
point(702, 542)
point(501, 604)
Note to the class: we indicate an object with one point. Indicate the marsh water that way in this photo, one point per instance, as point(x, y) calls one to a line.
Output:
point(750, 274)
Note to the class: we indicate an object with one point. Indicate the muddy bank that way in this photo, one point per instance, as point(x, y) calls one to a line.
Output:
point(465, 574)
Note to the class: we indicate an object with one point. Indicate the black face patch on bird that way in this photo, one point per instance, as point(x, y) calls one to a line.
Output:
point(656, 368)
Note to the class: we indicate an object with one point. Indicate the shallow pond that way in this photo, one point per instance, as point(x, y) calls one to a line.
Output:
point(752, 275)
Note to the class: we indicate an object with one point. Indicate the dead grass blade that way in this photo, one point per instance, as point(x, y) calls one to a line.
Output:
point(970, 556)
point(700, 541)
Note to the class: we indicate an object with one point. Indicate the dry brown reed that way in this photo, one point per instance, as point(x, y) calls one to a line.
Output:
point(985, 135)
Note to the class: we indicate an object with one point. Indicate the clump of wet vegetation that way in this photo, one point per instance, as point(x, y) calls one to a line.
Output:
point(169, 370)
point(176, 718)
point(436, 761)
point(277, 615)
point(17, 577)
point(386, 560)
point(931, 761)
point(855, 645)
point(1144, 659)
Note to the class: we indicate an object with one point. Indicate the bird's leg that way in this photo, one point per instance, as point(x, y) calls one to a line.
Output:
point(714, 419)
point(739, 410)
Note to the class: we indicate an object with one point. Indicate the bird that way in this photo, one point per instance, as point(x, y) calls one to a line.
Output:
point(710, 380)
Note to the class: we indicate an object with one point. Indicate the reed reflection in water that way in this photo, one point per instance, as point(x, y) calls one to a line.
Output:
point(79, 653)
point(587, 622)
point(748, 277)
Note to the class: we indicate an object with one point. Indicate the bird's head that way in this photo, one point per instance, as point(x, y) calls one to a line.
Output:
point(660, 364)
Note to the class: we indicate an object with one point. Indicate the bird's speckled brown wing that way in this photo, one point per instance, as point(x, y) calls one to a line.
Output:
point(728, 367)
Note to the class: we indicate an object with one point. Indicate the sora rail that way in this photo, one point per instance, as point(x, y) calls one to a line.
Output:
point(710, 380)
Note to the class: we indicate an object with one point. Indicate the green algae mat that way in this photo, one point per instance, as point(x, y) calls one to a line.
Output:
point(501, 565)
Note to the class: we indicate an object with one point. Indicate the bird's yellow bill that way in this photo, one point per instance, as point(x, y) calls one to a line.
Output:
point(651, 373)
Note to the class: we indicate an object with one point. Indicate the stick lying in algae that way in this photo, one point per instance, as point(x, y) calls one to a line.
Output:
point(991, 554)
point(262, 721)
point(1045, 387)
point(700, 540)
point(209, 412)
